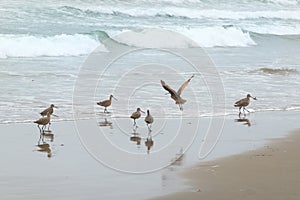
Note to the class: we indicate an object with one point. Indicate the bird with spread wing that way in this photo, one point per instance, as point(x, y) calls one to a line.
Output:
point(176, 95)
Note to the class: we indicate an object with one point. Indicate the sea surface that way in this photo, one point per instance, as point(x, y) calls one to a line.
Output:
point(254, 46)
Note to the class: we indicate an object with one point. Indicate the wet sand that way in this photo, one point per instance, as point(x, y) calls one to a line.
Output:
point(60, 167)
point(271, 172)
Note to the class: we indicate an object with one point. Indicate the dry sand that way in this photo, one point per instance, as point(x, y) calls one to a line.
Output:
point(271, 172)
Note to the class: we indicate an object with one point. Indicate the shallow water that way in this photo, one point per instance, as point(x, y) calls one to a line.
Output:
point(254, 47)
point(31, 84)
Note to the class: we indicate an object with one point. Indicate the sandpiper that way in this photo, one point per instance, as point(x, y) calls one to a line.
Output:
point(176, 95)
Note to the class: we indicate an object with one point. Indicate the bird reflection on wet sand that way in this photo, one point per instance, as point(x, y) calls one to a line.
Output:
point(106, 123)
point(43, 146)
point(135, 137)
point(243, 120)
point(149, 142)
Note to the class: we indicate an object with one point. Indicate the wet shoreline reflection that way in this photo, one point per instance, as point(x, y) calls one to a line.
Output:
point(43, 143)
point(243, 120)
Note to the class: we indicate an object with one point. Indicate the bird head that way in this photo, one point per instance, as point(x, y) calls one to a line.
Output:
point(53, 106)
point(111, 96)
point(249, 95)
point(139, 110)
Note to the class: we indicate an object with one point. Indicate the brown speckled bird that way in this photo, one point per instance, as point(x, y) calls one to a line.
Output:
point(106, 103)
point(149, 120)
point(135, 115)
point(243, 103)
point(43, 121)
point(48, 110)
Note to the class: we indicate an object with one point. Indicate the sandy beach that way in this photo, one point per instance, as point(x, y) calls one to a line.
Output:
point(249, 162)
point(270, 172)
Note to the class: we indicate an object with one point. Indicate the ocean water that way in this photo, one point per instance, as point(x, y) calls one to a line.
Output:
point(254, 45)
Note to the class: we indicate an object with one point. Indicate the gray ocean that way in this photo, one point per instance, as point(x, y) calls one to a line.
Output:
point(254, 45)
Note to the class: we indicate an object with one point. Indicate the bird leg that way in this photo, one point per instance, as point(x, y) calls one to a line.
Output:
point(180, 107)
point(105, 110)
point(246, 110)
point(43, 127)
point(149, 128)
point(240, 110)
point(134, 127)
point(39, 129)
point(39, 142)
point(41, 139)
point(134, 123)
point(149, 136)
point(49, 126)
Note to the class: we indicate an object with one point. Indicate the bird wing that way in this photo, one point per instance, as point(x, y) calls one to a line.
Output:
point(44, 112)
point(166, 87)
point(149, 119)
point(102, 103)
point(43, 121)
point(135, 115)
point(184, 85)
point(239, 103)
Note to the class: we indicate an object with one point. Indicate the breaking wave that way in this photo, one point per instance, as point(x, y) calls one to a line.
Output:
point(279, 71)
point(57, 45)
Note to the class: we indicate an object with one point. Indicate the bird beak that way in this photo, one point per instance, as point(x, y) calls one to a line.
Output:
point(115, 98)
point(254, 98)
point(142, 111)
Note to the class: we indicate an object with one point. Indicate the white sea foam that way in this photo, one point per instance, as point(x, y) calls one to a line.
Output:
point(58, 45)
point(219, 36)
point(154, 38)
point(203, 37)
point(221, 14)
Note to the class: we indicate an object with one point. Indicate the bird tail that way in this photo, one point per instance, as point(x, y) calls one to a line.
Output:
point(181, 101)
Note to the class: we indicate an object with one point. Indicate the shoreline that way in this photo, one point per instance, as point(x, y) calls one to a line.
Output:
point(25, 158)
point(269, 172)
point(112, 116)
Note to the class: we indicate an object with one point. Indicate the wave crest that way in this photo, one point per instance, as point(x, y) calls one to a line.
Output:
point(192, 12)
point(219, 36)
point(280, 71)
point(58, 45)
point(195, 37)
